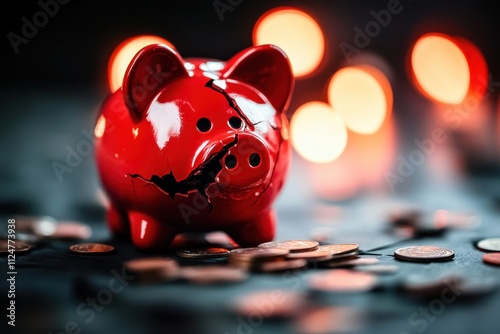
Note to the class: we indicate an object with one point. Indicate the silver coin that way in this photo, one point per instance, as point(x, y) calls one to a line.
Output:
point(489, 245)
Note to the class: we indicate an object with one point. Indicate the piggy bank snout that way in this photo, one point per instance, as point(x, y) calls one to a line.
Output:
point(247, 164)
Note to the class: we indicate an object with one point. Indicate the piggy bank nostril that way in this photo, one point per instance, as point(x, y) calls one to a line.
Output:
point(230, 161)
point(235, 122)
point(204, 124)
point(254, 159)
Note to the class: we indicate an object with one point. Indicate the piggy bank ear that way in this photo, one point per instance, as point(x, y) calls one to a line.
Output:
point(265, 67)
point(150, 70)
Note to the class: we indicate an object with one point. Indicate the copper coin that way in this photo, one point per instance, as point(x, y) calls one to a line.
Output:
point(278, 266)
point(492, 258)
point(39, 225)
point(213, 274)
point(341, 257)
point(91, 248)
point(203, 253)
point(255, 253)
point(339, 248)
point(71, 230)
point(342, 280)
point(489, 245)
point(360, 261)
point(294, 246)
point(154, 264)
point(312, 255)
point(270, 304)
point(423, 254)
point(19, 246)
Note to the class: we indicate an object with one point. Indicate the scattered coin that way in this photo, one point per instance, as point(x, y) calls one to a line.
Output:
point(331, 319)
point(342, 280)
point(252, 258)
point(19, 246)
point(294, 246)
point(38, 225)
point(423, 254)
point(316, 254)
point(270, 304)
point(279, 266)
point(492, 258)
point(155, 269)
point(425, 286)
point(379, 269)
point(71, 230)
point(360, 261)
point(213, 274)
point(341, 257)
point(203, 253)
point(91, 248)
point(489, 245)
point(256, 253)
point(338, 249)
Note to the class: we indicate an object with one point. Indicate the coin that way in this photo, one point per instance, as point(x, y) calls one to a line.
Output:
point(360, 261)
point(342, 280)
point(294, 246)
point(256, 253)
point(279, 266)
point(91, 248)
point(213, 274)
point(489, 245)
point(39, 225)
point(341, 257)
point(154, 269)
point(203, 253)
point(423, 254)
point(312, 255)
point(270, 304)
point(19, 246)
point(425, 286)
point(339, 248)
point(492, 258)
point(154, 264)
point(71, 230)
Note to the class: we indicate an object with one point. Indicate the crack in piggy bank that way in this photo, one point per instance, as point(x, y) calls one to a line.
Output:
point(199, 179)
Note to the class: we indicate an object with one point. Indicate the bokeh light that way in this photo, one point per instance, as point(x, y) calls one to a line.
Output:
point(123, 54)
point(440, 68)
point(362, 96)
point(297, 33)
point(317, 132)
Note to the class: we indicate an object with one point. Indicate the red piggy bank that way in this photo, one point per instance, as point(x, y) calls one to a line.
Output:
point(195, 145)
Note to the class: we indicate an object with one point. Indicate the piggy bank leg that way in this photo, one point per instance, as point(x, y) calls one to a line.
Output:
point(149, 234)
point(117, 221)
point(254, 232)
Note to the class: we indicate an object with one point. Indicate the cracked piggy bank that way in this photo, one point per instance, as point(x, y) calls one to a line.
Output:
point(195, 145)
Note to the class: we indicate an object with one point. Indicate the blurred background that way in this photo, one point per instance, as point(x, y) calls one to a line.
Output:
point(396, 103)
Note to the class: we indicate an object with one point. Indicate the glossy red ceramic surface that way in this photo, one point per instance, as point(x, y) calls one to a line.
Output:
point(196, 145)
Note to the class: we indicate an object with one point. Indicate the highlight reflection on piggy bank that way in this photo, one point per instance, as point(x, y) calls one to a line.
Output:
point(196, 145)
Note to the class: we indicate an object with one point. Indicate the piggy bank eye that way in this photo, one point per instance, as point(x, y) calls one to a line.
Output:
point(235, 122)
point(204, 124)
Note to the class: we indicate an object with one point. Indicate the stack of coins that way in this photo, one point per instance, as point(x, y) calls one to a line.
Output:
point(154, 269)
point(254, 258)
